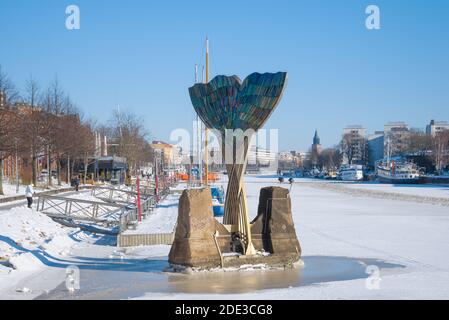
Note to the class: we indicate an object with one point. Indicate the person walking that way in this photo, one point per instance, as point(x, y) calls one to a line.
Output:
point(29, 192)
point(77, 183)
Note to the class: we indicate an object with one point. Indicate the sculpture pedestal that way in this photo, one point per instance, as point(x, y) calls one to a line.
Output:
point(194, 243)
point(273, 229)
point(273, 233)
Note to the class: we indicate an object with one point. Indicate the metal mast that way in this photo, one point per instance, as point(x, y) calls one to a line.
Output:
point(206, 142)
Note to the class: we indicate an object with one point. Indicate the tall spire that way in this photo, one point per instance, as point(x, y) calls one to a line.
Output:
point(316, 138)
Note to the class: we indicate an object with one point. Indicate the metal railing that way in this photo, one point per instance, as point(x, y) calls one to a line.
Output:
point(82, 210)
point(118, 195)
point(117, 208)
point(115, 195)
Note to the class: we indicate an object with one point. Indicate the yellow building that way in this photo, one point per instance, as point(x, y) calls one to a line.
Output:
point(165, 149)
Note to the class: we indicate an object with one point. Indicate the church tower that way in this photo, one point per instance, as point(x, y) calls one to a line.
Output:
point(316, 148)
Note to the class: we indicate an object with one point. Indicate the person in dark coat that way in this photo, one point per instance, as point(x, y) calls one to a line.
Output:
point(77, 183)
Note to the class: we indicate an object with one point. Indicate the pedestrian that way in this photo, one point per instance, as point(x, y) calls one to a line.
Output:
point(29, 192)
point(77, 183)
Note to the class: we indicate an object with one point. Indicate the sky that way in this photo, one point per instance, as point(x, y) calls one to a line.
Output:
point(140, 55)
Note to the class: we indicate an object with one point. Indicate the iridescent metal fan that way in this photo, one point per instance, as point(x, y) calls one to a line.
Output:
point(227, 103)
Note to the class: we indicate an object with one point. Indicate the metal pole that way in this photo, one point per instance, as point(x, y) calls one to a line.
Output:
point(17, 171)
point(206, 133)
point(139, 208)
point(68, 170)
point(48, 166)
point(156, 178)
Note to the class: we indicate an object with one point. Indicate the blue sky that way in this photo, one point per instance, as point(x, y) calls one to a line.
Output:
point(141, 55)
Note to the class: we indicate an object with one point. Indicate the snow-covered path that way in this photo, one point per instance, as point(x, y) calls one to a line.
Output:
point(343, 235)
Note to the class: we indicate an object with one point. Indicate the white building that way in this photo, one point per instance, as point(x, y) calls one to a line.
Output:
point(355, 135)
point(435, 127)
point(396, 134)
point(261, 156)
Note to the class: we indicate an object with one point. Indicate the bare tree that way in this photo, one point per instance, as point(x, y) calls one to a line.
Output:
point(8, 89)
point(441, 149)
point(8, 130)
point(330, 159)
point(8, 141)
point(32, 124)
point(354, 148)
point(419, 142)
point(130, 139)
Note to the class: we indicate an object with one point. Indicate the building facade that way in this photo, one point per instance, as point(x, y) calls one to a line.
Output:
point(354, 145)
point(396, 138)
point(435, 127)
point(375, 147)
point(261, 157)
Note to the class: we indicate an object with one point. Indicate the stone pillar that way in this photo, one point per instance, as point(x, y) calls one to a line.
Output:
point(273, 229)
point(194, 243)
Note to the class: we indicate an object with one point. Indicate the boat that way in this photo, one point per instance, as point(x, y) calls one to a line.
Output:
point(398, 172)
point(351, 173)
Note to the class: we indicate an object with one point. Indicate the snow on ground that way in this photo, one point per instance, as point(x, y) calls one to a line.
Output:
point(430, 194)
point(343, 235)
point(426, 190)
point(161, 220)
point(11, 190)
point(26, 237)
point(31, 241)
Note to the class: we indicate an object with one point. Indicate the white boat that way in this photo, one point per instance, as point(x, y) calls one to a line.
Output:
point(398, 171)
point(351, 173)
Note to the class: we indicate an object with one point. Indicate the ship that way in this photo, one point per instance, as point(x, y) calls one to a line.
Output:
point(397, 170)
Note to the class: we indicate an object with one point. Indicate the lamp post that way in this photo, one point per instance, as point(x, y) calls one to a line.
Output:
point(17, 168)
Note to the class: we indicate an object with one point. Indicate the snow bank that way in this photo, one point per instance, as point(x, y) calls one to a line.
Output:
point(25, 262)
point(418, 193)
point(25, 234)
point(4, 270)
